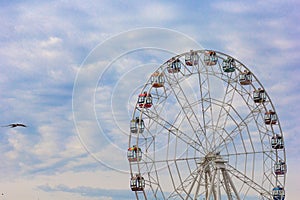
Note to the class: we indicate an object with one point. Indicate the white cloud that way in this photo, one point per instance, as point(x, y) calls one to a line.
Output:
point(51, 42)
point(234, 6)
point(163, 12)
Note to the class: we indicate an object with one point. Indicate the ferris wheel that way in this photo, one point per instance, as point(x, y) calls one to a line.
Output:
point(204, 127)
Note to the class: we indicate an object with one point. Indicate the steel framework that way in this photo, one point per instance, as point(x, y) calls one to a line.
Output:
point(206, 135)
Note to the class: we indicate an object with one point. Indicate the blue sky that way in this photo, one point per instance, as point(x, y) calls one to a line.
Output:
point(65, 71)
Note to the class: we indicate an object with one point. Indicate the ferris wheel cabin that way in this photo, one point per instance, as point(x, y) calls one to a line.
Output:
point(134, 154)
point(137, 125)
point(137, 183)
point(277, 142)
point(270, 117)
point(228, 65)
point(145, 100)
point(245, 78)
point(210, 58)
point(157, 79)
point(192, 58)
point(259, 96)
point(278, 193)
point(174, 65)
point(280, 168)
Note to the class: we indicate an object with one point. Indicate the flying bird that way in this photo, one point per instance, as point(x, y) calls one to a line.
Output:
point(15, 125)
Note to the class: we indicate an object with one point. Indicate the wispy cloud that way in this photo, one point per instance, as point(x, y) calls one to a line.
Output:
point(89, 192)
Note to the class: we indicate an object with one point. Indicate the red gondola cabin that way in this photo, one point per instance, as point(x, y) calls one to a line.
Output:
point(145, 100)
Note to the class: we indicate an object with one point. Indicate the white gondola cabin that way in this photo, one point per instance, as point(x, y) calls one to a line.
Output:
point(145, 100)
point(280, 168)
point(134, 154)
point(137, 183)
point(277, 142)
point(245, 78)
point(259, 96)
point(191, 58)
point(270, 117)
point(210, 58)
point(278, 193)
point(174, 65)
point(228, 65)
point(157, 79)
point(137, 125)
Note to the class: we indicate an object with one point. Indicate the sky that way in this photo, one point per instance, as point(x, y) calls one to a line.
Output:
point(71, 70)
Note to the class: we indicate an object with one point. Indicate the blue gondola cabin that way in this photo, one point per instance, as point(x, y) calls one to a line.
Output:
point(277, 142)
point(278, 193)
point(210, 58)
point(174, 65)
point(134, 154)
point(191, 58)
point(137, 125)
point(280, 168)
point(157, 80)
point(145, 100)
point(228, 65)
point(270, 117)
point(137, 183)
point(245, 78)
point(259, 96)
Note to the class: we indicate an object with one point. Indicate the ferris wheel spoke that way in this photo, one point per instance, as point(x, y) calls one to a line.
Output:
point(188, 183)
point(186, 108)
point(236, 131)
point(246, 153)
point(225, 116)
point(248, 181)
point(206, 108)
point(149, 160)
point(175, 131)
point(225, 106)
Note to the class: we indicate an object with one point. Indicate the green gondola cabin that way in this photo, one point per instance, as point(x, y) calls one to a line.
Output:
point(228, 65)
